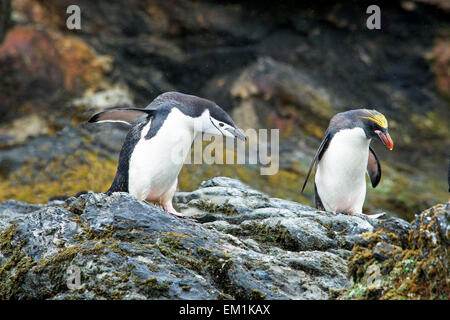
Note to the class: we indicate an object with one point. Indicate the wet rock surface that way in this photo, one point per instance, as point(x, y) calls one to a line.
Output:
point(270, 65)
point(238, 243)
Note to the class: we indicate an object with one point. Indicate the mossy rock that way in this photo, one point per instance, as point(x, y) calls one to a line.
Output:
point(415, 268)
point(37, 181)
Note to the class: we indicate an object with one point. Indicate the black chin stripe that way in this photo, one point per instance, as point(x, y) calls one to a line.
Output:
point(215, 126)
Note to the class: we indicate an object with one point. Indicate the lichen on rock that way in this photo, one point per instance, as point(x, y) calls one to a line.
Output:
point(412, 264)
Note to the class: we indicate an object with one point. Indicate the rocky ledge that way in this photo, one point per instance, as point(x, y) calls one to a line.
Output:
point(237, 244)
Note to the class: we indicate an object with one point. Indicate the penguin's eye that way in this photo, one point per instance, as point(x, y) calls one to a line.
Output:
point(221, 124)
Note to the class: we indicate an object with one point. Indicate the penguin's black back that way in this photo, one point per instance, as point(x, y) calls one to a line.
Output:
point(120, 182)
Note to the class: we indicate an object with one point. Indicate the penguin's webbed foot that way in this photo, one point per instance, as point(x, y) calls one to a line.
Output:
point(375, 216)
point(168, 207)
point(175, 213)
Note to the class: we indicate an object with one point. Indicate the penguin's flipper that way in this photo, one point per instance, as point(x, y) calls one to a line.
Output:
point(323, 146)
point(373, 168)
point(123, 115)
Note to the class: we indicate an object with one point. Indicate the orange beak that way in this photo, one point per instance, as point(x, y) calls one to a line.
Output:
point(386, 139)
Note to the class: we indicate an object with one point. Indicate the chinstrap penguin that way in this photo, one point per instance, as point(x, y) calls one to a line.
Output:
point(159, 140)
point(343, 158)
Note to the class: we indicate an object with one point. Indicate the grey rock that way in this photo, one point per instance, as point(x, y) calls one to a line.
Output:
point(244, 245)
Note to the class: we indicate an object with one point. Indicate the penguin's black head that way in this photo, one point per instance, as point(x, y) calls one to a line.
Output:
point(217, 122)
point(214, 120)
point(220, 115)
point(372, 122)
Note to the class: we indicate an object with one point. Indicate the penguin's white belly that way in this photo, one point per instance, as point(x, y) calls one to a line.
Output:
point(155, 163)
point(340, 177)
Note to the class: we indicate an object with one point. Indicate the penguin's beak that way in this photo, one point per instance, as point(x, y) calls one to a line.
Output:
point(386, 139)
point(237, 133)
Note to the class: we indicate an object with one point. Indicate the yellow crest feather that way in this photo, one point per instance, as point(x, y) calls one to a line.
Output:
point(377, 118)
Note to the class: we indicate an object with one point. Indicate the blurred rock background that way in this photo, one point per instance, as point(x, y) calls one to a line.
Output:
point(270, 65)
